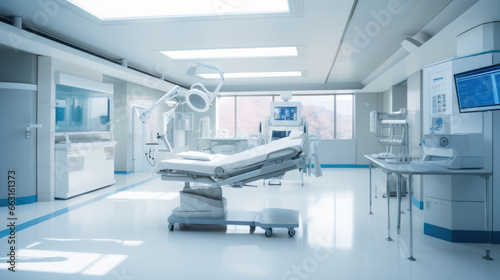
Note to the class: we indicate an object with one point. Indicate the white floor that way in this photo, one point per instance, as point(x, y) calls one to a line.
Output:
point(120, 232)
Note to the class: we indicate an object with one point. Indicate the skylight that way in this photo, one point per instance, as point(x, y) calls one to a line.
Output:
point(254, 75)
point(136, 9)
point(233, 53)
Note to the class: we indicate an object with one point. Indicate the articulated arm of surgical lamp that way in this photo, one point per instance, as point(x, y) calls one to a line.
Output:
point(213, 67)
point(169, 95)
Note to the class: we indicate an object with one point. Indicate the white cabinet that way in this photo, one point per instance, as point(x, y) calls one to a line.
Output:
point(83, 167)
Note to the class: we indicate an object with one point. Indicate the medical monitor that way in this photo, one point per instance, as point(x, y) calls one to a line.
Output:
point(478, 90)
point(286, 113)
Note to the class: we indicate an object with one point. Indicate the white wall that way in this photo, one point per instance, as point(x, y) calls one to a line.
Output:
point(365, 141)
point(120, 127)
point(337, 151)
point(399, 96)
point(387, 100)
point(394, 98)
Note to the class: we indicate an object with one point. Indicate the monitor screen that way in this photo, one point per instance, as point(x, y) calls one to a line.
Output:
point(478, 90)
point(285, 113)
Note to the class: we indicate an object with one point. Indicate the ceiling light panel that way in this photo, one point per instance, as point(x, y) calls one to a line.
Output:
point(135, 9)
point(233, 53)
point(254, 75)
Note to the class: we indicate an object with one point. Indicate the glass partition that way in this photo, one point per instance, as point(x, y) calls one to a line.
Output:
point(81, 110)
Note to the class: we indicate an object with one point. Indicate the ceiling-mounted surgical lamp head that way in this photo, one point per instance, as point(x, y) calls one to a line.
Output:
point(198, 97)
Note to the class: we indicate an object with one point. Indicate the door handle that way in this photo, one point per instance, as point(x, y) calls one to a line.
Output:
point(29, 127)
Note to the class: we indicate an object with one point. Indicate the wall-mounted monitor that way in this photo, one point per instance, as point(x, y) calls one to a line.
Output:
point(478, 90)
point(286, 113)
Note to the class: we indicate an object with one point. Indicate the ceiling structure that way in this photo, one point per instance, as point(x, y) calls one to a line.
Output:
point(342, 45)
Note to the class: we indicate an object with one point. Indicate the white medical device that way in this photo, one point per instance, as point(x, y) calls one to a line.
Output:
point(284, 117)
point(454, 151)
point(286, 113)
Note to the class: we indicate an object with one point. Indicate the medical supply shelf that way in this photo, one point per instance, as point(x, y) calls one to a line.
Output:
point(408, 169)
point(393, 133)
point(400, 139)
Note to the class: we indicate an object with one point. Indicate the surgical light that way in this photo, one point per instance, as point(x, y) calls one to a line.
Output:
point(198, 97)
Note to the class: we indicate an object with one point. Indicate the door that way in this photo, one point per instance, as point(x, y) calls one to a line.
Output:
point(18, 148)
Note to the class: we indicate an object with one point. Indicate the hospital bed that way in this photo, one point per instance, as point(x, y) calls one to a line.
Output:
point(201, 200)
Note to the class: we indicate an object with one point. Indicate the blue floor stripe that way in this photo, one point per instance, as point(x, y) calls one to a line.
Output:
point(36, 221)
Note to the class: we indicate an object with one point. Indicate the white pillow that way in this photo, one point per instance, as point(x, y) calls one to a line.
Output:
point(194, 155)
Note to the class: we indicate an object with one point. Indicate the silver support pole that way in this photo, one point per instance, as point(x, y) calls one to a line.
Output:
point(398, 192)
point(410, 194)
point(388, 210)
point(371, 213)
point(488, 233)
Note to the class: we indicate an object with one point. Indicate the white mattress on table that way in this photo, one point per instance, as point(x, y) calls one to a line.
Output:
point(231, 163)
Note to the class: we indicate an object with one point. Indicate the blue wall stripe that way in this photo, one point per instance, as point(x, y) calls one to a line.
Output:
point(461, 236)
point(495, 237)
point(124, 172)
point(419, 204)
point(19, 200)
point(58, 213)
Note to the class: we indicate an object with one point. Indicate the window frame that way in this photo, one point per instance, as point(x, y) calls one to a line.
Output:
point(276, 97)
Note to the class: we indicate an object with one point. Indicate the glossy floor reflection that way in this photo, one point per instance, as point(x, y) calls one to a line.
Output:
point(120, 232)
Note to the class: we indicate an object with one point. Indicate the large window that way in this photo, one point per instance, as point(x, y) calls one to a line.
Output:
point(328, 116)
point(225, 115)
point(250, 111)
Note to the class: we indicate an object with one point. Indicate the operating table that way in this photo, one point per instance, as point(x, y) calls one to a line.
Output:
point(201, 200)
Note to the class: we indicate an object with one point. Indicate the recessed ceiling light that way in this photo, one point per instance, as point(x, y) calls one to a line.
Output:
point(233, 53)
point(135, 9)
point(254, 75)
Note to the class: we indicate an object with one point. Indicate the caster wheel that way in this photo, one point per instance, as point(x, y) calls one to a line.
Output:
point(252, 229)
point(269, 232)
point(291, 232)
point(171, 227)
